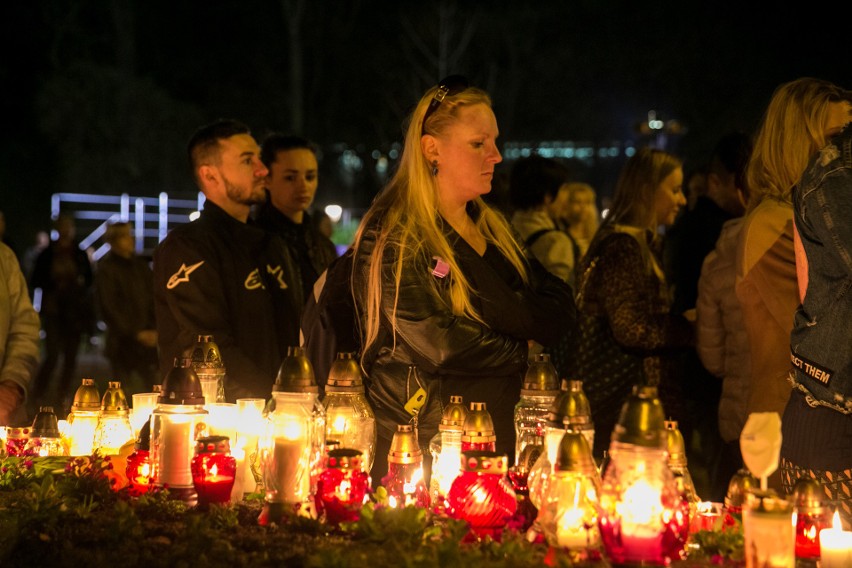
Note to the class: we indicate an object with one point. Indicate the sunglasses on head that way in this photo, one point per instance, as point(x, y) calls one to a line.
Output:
point(448, 87)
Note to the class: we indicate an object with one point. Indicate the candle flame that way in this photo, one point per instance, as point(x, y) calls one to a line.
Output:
point(811, 532)
point(292, 431)
point(835, 521)
point(344, 490)
point(339, 424)
point(640, 504)
point(214, 471)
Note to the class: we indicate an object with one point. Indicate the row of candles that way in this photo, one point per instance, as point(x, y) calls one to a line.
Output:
point(639, 506)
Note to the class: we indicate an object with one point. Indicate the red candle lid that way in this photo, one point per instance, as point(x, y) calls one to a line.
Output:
point(213, 445)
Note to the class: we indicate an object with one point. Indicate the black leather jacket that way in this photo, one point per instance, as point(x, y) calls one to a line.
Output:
point(455, 355)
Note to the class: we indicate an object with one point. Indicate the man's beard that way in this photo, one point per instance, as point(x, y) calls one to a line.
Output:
point(237, 194)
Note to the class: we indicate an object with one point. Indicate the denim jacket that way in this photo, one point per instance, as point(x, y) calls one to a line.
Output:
point(821, 340)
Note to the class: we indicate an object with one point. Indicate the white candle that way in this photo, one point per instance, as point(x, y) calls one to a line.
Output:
point(222, 420)
point(82, 432)
point(835, 546)
point(144, 404)
point(769, 538)
point(177, 448)
point(238, 490)
point(291, 470)
point(210, 389)
point(249, 428)
point(570, 531)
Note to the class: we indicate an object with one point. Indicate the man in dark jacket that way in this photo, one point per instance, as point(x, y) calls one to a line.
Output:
point(222, 276)
point(125, 299)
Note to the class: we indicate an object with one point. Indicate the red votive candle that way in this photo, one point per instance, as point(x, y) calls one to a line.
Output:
point(214, 470)
point(139, 472)
point(811, 517)
point(342, 487)
point(482, 494)
point(16, 440)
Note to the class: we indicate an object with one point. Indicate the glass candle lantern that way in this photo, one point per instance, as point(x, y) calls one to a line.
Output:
point(482, 494)
point(707, 516)
point(64, 435)
point(518, 474)
point(296, 375)
point(44, 438)
point(138, 469)
point(209, 367)
point(250, 427)
point(445, 447)
point(812, 516)
point(16, 440)
point(676, 450)
point(222, 419)
point(349, 418)
point(568, 515)
point(641, 514)
point(343, 487)
point(214, 470)
point(287, 454)
point(114, 429)
point(768, 531)
point(478, 433)
point(83, 418)
point(570, 409)
point(540, 388)
point(738, 487)
point(404, 481)
point(176, 423)
point(144, 404)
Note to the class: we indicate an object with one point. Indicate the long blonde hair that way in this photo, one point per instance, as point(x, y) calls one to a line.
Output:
point(636, 190)
point(793, 128)
point(405, 220)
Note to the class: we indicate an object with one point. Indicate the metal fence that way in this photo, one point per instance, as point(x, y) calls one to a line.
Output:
point(151, 217)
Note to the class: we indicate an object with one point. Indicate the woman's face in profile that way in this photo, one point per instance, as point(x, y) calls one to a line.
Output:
point(669, 198)
point(467, 154)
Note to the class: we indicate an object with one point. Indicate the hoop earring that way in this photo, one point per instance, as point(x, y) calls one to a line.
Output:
point(434, 167)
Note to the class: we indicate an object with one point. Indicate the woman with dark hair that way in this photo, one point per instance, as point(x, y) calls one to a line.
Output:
point(626, 328)
point(441, 284)
point(534, 188)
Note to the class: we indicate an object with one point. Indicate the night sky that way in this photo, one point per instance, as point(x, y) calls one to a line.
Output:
point(101, 96)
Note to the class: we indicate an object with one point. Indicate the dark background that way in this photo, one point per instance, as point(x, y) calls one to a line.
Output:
point(101, 96)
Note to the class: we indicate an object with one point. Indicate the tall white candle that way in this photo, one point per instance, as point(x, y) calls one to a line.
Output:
point(249, 428)
point(291, 470)
point(177, 447)
point(835, 546)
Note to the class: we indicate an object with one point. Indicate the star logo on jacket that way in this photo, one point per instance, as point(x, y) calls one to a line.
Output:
point(254, 281)
point(182, 275)
point(278, 273)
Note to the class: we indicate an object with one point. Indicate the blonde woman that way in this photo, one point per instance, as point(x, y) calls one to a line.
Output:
point(799, 119)
point(439, 282)
point(626, 329)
